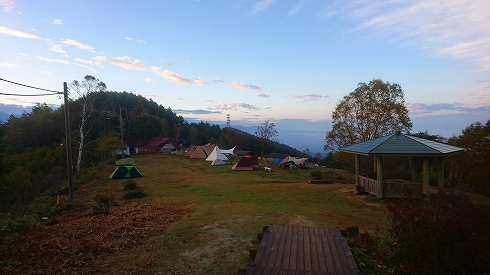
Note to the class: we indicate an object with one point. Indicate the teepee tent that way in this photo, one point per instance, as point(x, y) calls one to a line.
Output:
point(125, 171)
point(190, 151)
point(199, 153)
point(216, 154)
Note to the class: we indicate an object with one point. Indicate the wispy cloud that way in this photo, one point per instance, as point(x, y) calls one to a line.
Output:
point(174, 77)
point(196, 112)
point(242, 86)
point(219, 80)
point(234, 106)
point(298, 7)
point(9, 65)
point(57, 22)
point(61, 61)
point(20, 34)
point(89, 62)
point(134, 39)
point(57, 49)
point(44, 72)
point(310, 97)
point(7, 5)
point(460, 29)
point(264, 95)
point(418, 110)
point(124, 62)
point(262, 5)
point(148, 79)
point(79, 45)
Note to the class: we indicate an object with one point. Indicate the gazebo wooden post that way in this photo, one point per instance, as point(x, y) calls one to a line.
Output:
point(440, 171)
point(425, 178)
point(414, 172)
point(357, 189)
point(379, 177)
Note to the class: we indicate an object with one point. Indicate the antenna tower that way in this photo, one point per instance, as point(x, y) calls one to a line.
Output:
point(228, 121)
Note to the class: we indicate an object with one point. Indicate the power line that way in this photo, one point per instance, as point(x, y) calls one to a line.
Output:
point(27, 95)
point(37, 88)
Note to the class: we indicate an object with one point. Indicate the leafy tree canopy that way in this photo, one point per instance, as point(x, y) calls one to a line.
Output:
point(372, 110)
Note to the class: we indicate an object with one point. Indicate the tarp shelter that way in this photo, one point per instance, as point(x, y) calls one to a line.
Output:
point(292, 160)
point(125, 171)
point(245, 164)
point(228, 151)
point(219, 162)
point(399, 144)
point(125, 161)
point(216, 154)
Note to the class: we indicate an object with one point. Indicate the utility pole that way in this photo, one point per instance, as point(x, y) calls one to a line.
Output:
point(121, 126)
point(69, 163)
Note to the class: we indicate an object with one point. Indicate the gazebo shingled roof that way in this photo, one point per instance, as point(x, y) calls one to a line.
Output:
point(398, 144)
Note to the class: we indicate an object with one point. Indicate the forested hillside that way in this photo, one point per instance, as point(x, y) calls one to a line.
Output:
point(32, 145)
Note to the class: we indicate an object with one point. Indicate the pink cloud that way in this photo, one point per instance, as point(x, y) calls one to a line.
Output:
point(310, 97)
point(79, 45)
point(242, 86)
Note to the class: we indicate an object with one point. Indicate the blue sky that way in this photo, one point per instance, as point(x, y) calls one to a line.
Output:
point(290, 62)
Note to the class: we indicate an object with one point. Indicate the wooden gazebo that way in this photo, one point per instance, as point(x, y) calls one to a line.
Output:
point(399, 144)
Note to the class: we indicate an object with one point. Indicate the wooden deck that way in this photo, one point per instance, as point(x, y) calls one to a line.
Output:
point(288, 250)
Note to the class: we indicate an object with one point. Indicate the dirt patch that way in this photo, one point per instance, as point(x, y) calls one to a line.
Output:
point(300, 221)
point(83, 244)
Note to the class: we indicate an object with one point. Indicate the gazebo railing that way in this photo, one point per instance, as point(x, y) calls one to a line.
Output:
point(369, 185)
point(393, 188)
point(398, 188)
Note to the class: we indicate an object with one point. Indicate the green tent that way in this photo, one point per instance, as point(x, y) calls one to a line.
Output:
point(124, 172)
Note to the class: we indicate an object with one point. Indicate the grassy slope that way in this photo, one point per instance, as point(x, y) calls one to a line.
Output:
point(229, 209)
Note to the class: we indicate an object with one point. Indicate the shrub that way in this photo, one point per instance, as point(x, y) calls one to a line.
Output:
point(129, 185)
point(102, 205)
point(449, 235)
point(317, 175)
point(133, 194)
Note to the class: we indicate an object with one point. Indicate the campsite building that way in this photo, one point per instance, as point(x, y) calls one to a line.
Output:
point(159, 145)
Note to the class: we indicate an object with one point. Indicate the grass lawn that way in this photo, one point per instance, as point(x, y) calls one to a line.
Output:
point(228, 209)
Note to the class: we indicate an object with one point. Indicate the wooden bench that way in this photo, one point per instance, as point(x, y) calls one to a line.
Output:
point(289, 249)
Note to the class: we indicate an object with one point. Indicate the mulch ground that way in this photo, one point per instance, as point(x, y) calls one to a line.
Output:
point(83, 244)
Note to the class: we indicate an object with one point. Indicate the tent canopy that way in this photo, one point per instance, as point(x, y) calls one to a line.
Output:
point(125, 171)
point(245, 164)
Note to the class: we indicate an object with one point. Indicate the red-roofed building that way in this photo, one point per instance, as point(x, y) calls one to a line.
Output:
point(159, 145)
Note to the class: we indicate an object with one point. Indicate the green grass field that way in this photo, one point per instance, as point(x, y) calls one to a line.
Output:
point(228, 209)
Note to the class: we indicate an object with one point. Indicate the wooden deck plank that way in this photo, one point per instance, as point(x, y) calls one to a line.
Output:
point(322, 264)
point(307, 249)
point(327, 250)
point(313, 250)
point(294, 249)
point(276, 231)
point(301, 250)
point(300, 262)
point(287, 248)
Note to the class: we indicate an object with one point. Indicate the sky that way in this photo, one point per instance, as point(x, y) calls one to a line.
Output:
point(289, 62)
